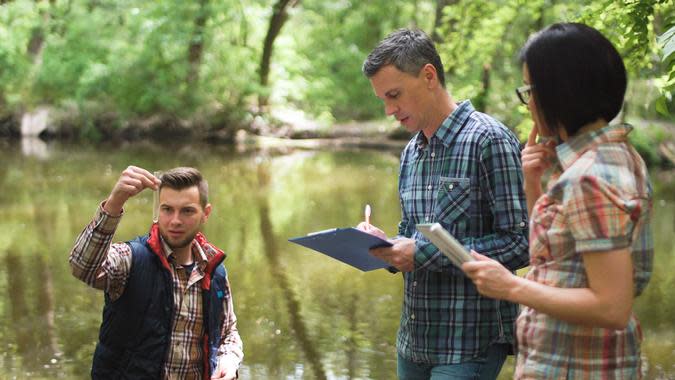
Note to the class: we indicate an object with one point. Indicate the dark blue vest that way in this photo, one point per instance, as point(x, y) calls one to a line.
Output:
point(136, 328)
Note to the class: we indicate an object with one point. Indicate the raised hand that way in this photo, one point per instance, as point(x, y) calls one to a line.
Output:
point(536, 158)
point(132, 181)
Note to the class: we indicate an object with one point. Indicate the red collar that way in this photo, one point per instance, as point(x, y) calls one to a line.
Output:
point(213, 254)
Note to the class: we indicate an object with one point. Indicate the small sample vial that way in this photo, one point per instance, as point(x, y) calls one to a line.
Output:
point(155, 200)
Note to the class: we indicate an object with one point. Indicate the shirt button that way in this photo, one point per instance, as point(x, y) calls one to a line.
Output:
point(414, 283)
point(433, 154)
point(426, 218)
point(412, 316)
point(451, 186)
point(522, 224)
point(429, 187)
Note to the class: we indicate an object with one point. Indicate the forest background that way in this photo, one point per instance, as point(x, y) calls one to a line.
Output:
point(128, 69)
point(88, 87)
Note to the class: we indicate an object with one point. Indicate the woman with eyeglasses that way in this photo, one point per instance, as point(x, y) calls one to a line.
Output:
point(591, 247)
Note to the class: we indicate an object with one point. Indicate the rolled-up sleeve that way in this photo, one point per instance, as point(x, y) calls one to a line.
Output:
point(97, 262)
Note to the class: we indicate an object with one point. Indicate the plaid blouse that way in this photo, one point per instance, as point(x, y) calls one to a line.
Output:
point(467, 177)
point(107, 266)
point(600, 202)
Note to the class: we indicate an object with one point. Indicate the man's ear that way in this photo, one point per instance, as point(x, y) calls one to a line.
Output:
point(430, 75)
point(207, 211)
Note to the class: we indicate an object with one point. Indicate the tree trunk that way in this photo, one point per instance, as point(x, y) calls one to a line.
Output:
point(241, 39)
point(413, 22)
point(279, 17)
point(196, 47)
point(271, 250)
point(37, 37)
point(481, 98)
point(438, 19)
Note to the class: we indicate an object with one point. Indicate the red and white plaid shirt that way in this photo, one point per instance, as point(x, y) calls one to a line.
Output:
point(106, 266)
point(600, 202)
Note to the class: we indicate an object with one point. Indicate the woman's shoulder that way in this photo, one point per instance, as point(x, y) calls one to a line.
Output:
point(614, 166)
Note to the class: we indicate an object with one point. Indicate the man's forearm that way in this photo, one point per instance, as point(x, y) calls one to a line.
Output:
point(511, 249)
point(91, 248)
point(231, 345)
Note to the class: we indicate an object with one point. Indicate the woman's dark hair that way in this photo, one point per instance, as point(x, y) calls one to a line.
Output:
point(182, 178)
point(408, 50)
point(577, 76)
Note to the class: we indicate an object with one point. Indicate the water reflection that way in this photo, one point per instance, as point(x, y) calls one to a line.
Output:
point(280, 275)
point(35, 147)
point(301, 315)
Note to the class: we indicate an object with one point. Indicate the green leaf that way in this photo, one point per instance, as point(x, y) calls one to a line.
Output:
point(667, 35)
point(667, 41)
point(661, 106)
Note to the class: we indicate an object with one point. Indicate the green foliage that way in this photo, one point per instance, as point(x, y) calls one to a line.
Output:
point(629, 24)
point(128, 59)
point(323, 73)
point(479, 53)
point(16, 23)
point(644, 140)
point(664, 104)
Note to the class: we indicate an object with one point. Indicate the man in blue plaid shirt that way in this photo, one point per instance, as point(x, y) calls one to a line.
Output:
point(461, 169)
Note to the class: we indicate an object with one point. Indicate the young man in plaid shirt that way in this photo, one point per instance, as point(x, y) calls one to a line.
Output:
point(168, 307)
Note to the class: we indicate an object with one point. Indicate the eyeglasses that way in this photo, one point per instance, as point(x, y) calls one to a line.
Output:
point(524, 93)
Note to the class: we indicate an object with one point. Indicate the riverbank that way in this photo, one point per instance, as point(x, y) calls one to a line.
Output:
point(281, 129)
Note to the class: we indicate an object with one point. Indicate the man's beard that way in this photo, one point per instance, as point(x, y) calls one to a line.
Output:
point(181, 243)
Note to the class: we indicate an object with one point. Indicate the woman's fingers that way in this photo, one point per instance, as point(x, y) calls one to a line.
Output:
point(532, 138)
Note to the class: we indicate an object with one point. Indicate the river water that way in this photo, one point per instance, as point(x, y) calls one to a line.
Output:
point(301, 315)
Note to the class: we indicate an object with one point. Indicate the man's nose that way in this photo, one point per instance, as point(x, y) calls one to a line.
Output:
point(390, 109)
point(175, 218)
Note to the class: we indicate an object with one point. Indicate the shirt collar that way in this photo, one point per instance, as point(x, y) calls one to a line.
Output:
point(450, 126)
point(569, 151)
point(197, 252)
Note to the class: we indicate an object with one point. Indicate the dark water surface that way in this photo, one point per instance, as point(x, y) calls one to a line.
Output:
point(301, 314)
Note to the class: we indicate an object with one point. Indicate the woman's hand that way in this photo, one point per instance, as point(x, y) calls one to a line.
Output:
point(490, 277)
point(537, 158)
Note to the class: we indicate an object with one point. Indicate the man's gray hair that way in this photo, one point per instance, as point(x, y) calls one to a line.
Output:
point(408, 50)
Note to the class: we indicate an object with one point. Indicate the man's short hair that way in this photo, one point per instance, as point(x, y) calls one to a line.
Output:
point(577, 76)
point(182, 178)
point(408, 50)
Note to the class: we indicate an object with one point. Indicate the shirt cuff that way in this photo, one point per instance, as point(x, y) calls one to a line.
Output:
point(106, 222)
point(600, 245)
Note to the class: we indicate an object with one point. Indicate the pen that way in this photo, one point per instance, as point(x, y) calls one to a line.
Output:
point(367, 213)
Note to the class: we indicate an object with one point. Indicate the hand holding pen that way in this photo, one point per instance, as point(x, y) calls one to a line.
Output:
point(369, 228)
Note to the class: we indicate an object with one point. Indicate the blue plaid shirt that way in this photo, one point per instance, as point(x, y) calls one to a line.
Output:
point(468, 177)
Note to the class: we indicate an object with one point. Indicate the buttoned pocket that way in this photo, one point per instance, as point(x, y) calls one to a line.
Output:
point(453, 201)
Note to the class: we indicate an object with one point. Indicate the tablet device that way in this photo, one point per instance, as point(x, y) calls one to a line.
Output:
point(446, 243)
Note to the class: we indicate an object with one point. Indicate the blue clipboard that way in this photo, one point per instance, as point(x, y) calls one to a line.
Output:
point(348, 245)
